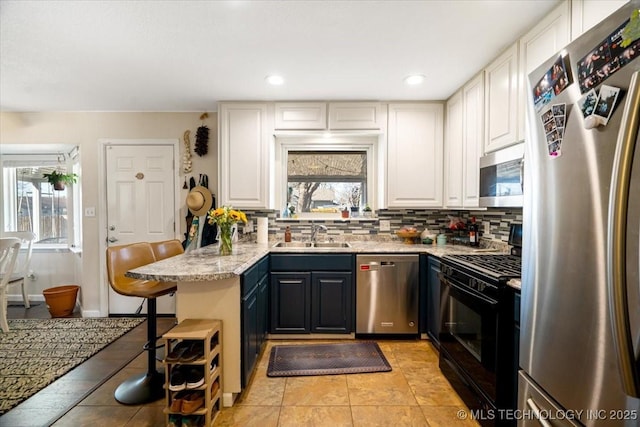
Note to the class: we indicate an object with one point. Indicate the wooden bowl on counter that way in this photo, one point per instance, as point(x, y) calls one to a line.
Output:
point(408, 236)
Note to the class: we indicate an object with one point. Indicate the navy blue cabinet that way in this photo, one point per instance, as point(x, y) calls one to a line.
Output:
point(290, 303)
point(433, 300)
point(311, 293)
point(254, 285)
point(331, 303)
point(250, 347)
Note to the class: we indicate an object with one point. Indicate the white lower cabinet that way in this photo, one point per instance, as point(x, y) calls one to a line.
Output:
point(414, 155)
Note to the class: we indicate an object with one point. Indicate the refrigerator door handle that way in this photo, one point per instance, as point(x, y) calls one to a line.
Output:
point(522, 174)
point(536, 412)
point(617, 239)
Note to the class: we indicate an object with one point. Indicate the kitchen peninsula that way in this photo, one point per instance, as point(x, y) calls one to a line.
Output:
point(209, 287)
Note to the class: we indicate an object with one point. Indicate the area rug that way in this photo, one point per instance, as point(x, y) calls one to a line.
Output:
point(35, 352)
point(326, 359)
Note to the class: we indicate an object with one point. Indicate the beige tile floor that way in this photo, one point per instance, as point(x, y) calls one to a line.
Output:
point(414, 393)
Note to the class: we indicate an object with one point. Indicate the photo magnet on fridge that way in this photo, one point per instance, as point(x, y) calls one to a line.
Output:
point(553, 82)
point(587, 103)
point(553, 122)
point(606, 103)
point(607, 58)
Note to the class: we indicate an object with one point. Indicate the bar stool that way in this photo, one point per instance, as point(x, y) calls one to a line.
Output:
point(166, 249)
point(148, 387)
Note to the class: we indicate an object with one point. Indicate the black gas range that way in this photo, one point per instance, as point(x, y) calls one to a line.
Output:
point(477, 349)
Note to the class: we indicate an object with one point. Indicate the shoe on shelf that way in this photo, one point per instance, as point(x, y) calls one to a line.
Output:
point(193, 402)
point(214, 388)
point(195, 377)
point(177, 399)
point(178, 350)
point(195, 352)
point(177, 381)
point(212, 367)
point(175, 421)
point(193, 421)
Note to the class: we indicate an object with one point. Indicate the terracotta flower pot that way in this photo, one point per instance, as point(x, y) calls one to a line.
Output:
point(61, 300)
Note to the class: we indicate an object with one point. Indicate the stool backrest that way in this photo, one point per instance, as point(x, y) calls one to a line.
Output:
point(167, 249)
point(9, 248)
point(123, 258)
point(24, 258)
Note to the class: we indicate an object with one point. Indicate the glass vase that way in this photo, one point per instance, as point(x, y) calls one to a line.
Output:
point(226, 245)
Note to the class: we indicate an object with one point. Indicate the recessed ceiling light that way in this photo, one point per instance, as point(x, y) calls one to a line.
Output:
point(415, 79)
point(275, 80)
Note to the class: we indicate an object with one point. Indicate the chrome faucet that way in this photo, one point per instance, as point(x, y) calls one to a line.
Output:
point(314, 230)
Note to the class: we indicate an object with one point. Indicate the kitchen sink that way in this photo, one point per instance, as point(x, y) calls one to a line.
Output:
point(293, 245)
point(331, 245)
point(312, 245)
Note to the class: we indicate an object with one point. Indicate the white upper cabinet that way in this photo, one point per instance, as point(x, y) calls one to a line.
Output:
point(243, 163)
point(587, 13)
point(473, 112)
point(355, 115)
point(453, 151)
point(547, 38)
point(464, 137)
point(501, 103)
point(415, 155)
point(301, 115)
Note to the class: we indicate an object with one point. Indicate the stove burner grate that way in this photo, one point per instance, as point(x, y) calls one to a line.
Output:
point(498, 264)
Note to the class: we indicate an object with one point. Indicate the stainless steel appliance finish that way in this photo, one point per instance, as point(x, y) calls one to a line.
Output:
point(501, 177)
point(580, 254)
point(387, 294)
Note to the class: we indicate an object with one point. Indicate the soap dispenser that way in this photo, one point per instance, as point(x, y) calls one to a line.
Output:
point(287, 234)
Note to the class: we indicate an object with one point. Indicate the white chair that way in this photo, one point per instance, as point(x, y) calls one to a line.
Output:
point(9, 249)
point(21, 270)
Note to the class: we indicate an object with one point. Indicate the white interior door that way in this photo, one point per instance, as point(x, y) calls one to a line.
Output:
point(140, 206)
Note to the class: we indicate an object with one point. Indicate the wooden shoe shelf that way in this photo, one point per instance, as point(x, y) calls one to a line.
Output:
point(210, 332)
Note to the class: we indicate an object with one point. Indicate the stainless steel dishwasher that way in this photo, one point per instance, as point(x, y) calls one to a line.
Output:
point(387, 294)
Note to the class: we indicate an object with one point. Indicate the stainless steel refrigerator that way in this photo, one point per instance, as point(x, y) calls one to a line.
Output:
point(580, 312)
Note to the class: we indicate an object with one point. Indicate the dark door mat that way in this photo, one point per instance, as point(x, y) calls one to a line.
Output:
point(326, 359)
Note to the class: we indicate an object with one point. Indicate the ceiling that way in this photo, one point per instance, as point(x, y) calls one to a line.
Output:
point(187, 55)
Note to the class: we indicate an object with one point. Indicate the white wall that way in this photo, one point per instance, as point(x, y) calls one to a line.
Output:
point(84, 130)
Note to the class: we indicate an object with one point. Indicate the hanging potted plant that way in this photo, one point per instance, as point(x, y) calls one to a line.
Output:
point(59, 179)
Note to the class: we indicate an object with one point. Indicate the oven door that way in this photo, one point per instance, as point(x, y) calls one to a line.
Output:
point(468, 334)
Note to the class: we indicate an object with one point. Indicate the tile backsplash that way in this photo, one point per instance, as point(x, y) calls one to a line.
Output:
point(436, 221)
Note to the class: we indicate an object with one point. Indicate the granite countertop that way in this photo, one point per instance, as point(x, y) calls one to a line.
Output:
point(205, 264)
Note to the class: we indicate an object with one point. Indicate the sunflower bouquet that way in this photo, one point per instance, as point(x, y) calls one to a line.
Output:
point(225, 217)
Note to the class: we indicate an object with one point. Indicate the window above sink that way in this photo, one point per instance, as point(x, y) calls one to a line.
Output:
point(319, 176)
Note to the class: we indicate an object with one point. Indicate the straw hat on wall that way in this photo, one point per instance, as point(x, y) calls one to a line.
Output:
point(199, 200)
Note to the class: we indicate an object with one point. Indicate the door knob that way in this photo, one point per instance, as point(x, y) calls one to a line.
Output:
point(112, 239)
point(112, 227)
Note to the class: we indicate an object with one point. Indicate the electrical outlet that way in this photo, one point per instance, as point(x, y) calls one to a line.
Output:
point(248, 228)
point(90, 211)
point(487, 227)
point(385, 225)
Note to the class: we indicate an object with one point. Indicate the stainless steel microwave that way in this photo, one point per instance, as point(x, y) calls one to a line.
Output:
point(501, 177)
